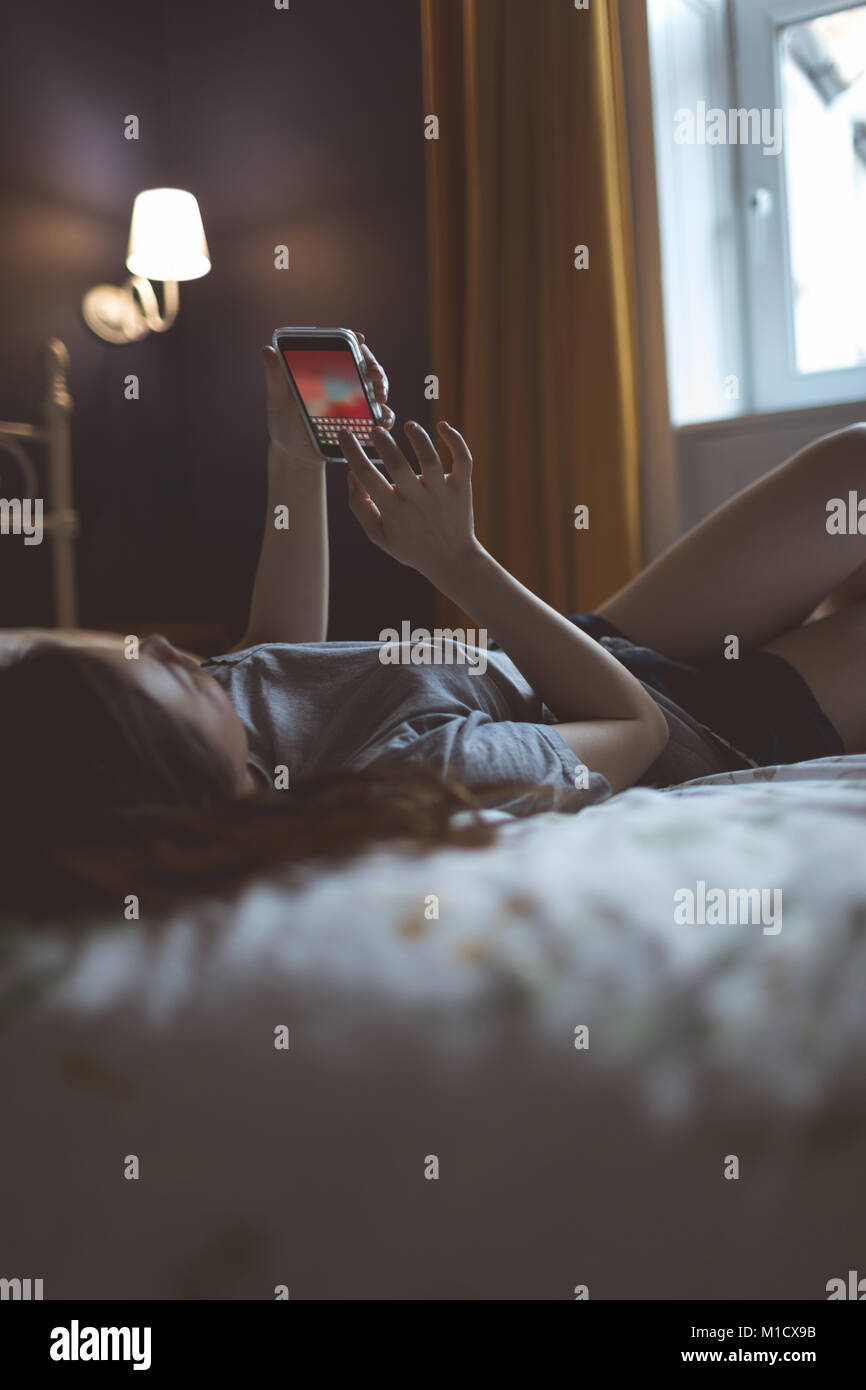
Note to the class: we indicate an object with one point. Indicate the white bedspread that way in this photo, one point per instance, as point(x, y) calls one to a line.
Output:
point(414, 1035)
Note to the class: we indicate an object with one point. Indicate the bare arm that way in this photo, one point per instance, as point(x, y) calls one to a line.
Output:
point(608, 719)
point(290, 593)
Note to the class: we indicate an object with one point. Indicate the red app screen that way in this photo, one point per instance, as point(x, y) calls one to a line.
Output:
point(331, 390)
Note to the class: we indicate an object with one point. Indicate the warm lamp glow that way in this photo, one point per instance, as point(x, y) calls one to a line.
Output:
point(166, 238)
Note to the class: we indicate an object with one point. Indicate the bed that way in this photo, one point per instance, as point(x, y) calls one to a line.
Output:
point(490, 1074)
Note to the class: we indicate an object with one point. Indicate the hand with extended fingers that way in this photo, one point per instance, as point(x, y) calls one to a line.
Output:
point(422, 519)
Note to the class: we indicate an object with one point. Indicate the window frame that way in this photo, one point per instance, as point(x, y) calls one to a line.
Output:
point(776, 383)
point(717, 264)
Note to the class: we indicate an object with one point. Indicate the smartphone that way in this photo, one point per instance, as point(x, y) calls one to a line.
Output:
point(325, 368)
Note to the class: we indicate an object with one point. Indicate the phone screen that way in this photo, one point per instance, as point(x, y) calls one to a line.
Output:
point(330, 387)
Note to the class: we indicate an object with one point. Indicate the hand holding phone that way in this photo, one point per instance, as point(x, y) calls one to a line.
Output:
point(337, 384)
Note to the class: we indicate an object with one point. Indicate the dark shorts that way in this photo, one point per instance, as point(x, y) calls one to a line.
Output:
point(759, 704)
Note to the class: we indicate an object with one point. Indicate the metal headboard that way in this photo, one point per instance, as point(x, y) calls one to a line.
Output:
point(60, 520)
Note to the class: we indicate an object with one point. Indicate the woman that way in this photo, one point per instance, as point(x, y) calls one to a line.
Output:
point(125, 764)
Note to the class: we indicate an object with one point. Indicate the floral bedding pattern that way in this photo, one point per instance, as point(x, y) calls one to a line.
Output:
point(533, 1015)
point(575, 917)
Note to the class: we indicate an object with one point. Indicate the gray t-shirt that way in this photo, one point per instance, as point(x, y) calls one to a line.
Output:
point(323, 705)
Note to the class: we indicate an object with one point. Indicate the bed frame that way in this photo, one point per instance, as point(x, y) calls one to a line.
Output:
point(60, 520)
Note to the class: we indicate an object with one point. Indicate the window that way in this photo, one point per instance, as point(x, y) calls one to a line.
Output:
point(823, 70)
point(760, 129)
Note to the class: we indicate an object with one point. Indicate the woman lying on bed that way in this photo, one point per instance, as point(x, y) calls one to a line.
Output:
point(159, 774)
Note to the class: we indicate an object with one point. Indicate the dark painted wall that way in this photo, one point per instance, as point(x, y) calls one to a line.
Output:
point(301, 127)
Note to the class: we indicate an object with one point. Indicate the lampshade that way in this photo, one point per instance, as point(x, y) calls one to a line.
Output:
point(166, 238)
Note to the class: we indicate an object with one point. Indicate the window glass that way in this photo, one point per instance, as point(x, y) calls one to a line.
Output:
point(823, 78)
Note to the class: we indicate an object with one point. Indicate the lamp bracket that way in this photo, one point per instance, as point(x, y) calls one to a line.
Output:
point(126, 313)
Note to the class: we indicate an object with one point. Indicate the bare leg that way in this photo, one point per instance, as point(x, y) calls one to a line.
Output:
point(830, 655)
point(850, 591)
point(759, 566)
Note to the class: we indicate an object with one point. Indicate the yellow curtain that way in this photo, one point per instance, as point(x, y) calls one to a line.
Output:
point(536, 358)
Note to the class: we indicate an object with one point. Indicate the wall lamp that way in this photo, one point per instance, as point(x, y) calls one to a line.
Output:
point(167, 243)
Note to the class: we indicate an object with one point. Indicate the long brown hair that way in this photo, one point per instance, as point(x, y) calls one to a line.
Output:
point(105, 793)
